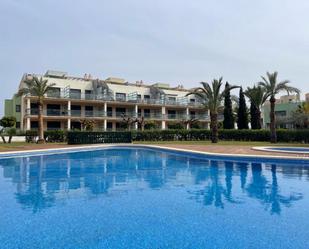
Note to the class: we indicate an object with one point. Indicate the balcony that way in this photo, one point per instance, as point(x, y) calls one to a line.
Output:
point(94, 113)
point(55, 112)
point(110, 98)
point(118, 115)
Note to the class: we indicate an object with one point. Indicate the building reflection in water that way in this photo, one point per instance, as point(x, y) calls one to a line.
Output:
point(41, 181)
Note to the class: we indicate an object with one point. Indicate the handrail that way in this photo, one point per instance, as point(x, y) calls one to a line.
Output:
point(102, 97)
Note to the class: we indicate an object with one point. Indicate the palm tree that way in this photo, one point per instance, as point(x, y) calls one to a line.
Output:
point(272, 87)
point(257, 97)
point(212, 97)
point(37, 87)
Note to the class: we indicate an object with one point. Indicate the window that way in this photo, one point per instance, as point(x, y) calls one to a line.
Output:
point(53, 125)
point(146, 96)
point(17, 125)
point(147, 113)
point(53, 92)
point(34, 125)
point(120, 96)
point(34, 109)
point(89, 111)
point(120, 112)
point(109, 112)
point(75, 93)
point(280, 113)
point(75, 125)
point(53, 110)
point(171, 114)
point(17, 109)
point(75, 110)
point(109, 126)
point(89, 94)
point(192, 100)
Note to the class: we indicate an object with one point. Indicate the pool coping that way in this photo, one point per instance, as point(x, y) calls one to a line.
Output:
point(271, 149)
point(38, 152)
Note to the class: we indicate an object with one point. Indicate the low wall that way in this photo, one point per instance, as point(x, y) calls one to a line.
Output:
point(14, 139)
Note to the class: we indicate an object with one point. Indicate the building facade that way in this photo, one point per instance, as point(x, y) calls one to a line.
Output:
point(284, 109)
point(106, 103)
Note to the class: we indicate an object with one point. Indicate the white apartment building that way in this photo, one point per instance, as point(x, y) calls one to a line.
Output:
point(74, 99)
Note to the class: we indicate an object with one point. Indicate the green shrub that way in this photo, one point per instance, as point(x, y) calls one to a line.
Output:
point(174, 125)
point(227, 135)
point(150, 125)
point(88, 137)
point(55, 136)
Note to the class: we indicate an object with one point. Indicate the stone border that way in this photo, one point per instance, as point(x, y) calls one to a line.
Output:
point(13, 154)
point(273, 149)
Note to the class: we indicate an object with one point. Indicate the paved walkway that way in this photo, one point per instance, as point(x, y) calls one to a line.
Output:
point(229, 149)
point(226, 149)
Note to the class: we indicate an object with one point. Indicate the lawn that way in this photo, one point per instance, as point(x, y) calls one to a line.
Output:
point(24, 145)
point(223, 143)
point(32, 146)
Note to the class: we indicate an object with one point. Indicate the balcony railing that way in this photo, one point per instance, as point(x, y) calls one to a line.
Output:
point(118, 115)
point(104, 97)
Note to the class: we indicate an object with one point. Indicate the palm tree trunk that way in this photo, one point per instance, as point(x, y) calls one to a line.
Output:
point(273, 134)
point(214, 127)
point(41, 125)
point(258, 115)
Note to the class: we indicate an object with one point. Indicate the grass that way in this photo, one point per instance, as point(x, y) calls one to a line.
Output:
point(23, 145)
point(223, 143)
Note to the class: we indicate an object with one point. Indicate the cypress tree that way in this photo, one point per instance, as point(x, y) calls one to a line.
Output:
point(255, 117)
point(228, 122)
point(242, 114)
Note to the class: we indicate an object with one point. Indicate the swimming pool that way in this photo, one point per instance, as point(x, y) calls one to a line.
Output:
point(134, 197)
point(294, 150)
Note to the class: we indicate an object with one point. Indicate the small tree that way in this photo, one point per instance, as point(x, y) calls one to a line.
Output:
point(7, 124)
point(87, 124)
point(228, 122)
point(189, 122)
point(141, 122)
point(242, 114)
point(128, 121)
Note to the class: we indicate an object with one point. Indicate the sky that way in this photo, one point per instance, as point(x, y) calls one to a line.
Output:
point(169, 41)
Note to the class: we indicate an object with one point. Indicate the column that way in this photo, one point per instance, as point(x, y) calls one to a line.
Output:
point(136, 115)
point(188, 118)
point(28, 111)
point(163, 118)
point(208, 123)
point(105, 116)
point(69, 115)
point(114, 126)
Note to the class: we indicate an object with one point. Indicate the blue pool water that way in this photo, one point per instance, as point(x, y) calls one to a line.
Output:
point(290, 149)
point(142, 198)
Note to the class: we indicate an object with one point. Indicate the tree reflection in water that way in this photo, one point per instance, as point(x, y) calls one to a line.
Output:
point(43, 180)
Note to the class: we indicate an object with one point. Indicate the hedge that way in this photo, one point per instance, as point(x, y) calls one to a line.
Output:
point(227, 135)
point(89, 137)
point(80, 137)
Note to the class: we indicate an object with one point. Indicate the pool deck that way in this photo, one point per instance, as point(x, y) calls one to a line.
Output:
point(213, 149)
